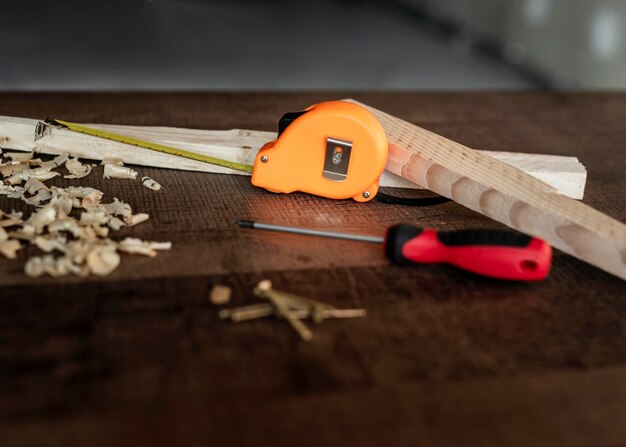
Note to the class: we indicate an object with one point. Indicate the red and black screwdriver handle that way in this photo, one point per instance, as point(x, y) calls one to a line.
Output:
point(494, 253)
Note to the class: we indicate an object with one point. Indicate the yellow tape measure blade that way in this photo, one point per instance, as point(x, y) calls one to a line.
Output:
point(152, 146)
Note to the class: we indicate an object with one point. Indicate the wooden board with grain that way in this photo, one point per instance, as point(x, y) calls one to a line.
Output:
point(504, 193)
point(566, 174)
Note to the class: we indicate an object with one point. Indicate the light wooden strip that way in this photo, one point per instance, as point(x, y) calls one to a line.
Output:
point(17, 133)
point(504, 193)
point(565, 174)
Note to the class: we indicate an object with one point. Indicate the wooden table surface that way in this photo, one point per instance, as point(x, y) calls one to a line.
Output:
point(443, 358)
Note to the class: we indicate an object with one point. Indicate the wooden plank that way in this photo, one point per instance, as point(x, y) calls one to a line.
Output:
point(17, 133)
point(504, 193)
point(566, 174)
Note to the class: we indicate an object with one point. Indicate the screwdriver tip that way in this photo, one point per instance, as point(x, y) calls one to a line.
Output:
point(245, 223)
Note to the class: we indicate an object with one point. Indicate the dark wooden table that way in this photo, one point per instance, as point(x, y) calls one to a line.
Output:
point(443, 358)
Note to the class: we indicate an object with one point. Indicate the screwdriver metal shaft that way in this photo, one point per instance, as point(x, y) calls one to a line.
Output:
point(494, 253)
point(310, 232)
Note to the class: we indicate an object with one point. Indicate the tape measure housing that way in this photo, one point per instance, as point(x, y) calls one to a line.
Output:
point(333, 149)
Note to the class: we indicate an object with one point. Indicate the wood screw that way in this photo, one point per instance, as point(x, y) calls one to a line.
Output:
point(264, 290)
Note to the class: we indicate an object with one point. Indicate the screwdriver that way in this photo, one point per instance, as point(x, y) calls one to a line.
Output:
point(494, 253)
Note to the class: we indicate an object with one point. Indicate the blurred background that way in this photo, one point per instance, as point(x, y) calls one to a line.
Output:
point(313, 45)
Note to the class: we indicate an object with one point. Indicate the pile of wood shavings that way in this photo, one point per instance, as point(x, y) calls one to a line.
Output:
point(71, 221)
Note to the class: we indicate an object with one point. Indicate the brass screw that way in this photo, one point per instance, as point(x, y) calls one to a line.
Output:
point(323, 314)
point(263, 310)
point(305, 301)
point(245, 313)
point(317, 315)
point(264, 287)
point(292, 308)
point(296, 301)
point(264, 290)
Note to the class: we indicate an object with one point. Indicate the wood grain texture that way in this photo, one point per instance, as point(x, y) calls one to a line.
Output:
point(565, 174)
point(504, 193)
point(443, 358)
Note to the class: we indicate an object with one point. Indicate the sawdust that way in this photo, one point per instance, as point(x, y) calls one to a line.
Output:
point(69, 225)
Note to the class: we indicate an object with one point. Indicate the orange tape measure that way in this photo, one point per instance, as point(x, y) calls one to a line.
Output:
point(333, 149)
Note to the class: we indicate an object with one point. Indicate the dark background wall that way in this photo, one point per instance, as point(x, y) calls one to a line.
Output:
point(327, 44)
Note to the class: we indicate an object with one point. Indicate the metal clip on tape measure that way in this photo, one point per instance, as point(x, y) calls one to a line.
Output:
point(333, 149)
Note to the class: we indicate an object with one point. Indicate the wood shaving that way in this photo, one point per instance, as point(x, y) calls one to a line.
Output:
point(41, 192)
point(27, 233)
point(151, 184)
point(43, 172)
point(115, 223)
point(13, 192)
point(11, 168)
point(135, 219)
point(118, 208)
point(49, 243)
point(33, 185)
point(48, 264)
point(9, 248)
point(94, 216)
point(89, 197)
point(70, 225)
point(57, 161)
point(34, 162)
point(36, 173)
point(20, 157)
point(76, 168)
point(62, 201)
point(39, 219)
point(137, 246)
point(220, 294)
point(41, 196)
point(10, 219)
point(103, 259)
point(115, 171)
